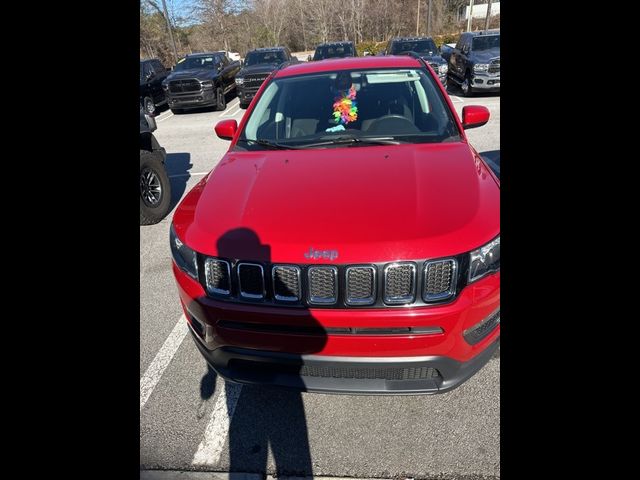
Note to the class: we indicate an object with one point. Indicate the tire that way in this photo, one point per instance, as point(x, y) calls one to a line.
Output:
point(148, 105)
point(465, 86)
point(155, 188)
point(244, 106)
point(221, 102)
point(177, 111)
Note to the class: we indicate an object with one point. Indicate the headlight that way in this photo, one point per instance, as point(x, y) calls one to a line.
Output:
point(442, 69)
point(484, 260)
point(207, 83)
point(184, 257)
point(480, 67)
point(239, 81)
point(165, 86)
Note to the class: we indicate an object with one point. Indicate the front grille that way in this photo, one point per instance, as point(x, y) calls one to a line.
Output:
point(435, 66)
point(494, 66)
point(218, 276)
point(253, 82)
point(323, 285)
point(181, 86)
point(377, 285)
point(286, 283)
point(481, 330)
point(399, 283)
point(439, 280)
point(251, 280)
point(361, 285)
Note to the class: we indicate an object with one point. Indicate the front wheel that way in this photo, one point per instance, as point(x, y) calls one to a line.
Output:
point(148, 105)
point(467, 89)
point(155, 188)
point(221, 102)
point(244, 106)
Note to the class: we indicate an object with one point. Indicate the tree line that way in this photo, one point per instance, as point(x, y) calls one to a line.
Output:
point(239, 26)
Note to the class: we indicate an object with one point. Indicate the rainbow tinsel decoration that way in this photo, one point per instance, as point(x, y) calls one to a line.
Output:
point(345, 109)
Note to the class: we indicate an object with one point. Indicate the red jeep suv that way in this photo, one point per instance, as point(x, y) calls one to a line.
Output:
point(349, 240)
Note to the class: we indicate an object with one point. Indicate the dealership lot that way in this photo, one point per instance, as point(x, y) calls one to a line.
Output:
point(189, 420)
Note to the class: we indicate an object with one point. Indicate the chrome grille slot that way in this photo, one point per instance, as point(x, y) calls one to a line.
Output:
point(361, 285)
point(251, 280)
point(218, 276)
point(439, 280)
point(286, 283)
point(399, 283)
point(323, 285)
point(494, 66)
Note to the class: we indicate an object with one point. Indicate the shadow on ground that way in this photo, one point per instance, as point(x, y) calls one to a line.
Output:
point(178, 166)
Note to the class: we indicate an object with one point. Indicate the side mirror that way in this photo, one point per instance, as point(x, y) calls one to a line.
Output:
point(226, 129)
point(472, 116)
point(149, 76)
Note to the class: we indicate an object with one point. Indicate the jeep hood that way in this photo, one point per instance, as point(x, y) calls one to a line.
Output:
point(379, 203)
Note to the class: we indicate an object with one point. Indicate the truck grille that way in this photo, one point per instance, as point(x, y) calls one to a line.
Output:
point(181, 86)
point(335, 286)
point(494, 66)
point(435, 66)
point(399, 283)
point(253, 82)
point(323, 285)
point(286, 283)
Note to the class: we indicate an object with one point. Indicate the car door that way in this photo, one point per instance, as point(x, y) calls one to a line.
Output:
point(224, 72)
point(159, 74)
point(456, 59)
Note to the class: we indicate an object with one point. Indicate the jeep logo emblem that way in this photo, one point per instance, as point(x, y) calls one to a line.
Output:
point(316, 254)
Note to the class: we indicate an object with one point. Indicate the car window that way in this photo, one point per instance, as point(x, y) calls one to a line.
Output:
point(256, 58)
point(145, 70)
point(418, 46)
point(187, 63)
point(404, 104)
point(333, 51)
point(157, 66)
point(486, 42)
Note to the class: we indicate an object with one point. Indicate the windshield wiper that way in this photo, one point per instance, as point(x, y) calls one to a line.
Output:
point(268, 143)
point(344, 140)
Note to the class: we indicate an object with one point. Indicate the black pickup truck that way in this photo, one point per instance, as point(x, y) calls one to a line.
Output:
point(335, 50)
point(423, 46)
point(258, 65)
point(152, 74)
point(474, 64)
point(201, 80)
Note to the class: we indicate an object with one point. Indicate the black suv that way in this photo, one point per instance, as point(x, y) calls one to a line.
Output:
point(335, 50)
point(152, 73)
point(201, 80)
point(155, 188)
point(424, 47)
point(475, 62)
point(258, 64)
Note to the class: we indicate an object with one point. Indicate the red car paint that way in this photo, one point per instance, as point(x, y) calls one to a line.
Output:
point(400, 207)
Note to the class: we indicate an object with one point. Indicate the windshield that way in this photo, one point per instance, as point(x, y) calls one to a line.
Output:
point(358, 107)
point(486, 43)
point(189, 63)
point(426, 47)
point(333, 51)
point(255, 58)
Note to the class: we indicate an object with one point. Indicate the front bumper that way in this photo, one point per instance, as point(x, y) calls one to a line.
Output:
point(245, 96)
point(299, 348)
point(488, 81)
point(203, 98)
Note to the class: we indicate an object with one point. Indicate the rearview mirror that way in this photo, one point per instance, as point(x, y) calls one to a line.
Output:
point(474, 116)
point(226, 129)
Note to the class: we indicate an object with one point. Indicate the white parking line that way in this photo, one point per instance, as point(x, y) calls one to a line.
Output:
point(187, 174)
point(210, 449)
point(230, 112)
point(162, 359)
point(164, 118)
point(456, 99)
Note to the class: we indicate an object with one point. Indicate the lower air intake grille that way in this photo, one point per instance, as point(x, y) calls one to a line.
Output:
point(361, 285)
point(323, 285)
point(217, 274)
point(251, 280)
point(481, 330)
point(400, 283)
point(413, 373)
point(286, 283)
point(439, 280)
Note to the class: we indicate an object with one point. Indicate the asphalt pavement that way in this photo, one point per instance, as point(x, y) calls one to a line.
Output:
point(191, 420)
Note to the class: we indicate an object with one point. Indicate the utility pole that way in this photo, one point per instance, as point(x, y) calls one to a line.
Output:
point(429, 19)
point(470, 16)
point(418, 19)
point(173, 44)
point(486, 21)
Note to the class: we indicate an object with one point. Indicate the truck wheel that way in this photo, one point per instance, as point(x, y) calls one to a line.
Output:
point(467, 89)
point(148, 105)
point(244, 106)
point(221, 102)
point(155, 188)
